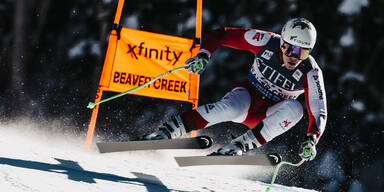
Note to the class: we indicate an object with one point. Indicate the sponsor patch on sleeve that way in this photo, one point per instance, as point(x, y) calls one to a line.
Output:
point(257, 37)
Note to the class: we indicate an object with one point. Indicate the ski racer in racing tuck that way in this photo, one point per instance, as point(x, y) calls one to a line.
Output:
point(266, 102)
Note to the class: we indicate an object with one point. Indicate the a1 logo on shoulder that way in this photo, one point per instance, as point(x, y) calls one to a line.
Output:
point(257, 37)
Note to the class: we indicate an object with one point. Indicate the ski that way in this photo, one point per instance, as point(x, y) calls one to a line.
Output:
point(258, 159)
point(200, 142)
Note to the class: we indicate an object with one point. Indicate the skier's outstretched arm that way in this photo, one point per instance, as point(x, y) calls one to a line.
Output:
point(317, 111)
point(238, 38)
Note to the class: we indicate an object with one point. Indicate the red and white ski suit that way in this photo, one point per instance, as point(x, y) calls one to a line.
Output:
point(269, 95)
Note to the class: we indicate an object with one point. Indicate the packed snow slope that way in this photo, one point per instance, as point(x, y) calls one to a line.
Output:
point(41, 158)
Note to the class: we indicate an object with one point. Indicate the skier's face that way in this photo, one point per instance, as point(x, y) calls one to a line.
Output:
point(291, 62)
point(293, 55)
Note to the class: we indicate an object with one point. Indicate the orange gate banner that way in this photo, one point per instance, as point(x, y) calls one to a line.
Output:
point(140, 56)
point(135, 57)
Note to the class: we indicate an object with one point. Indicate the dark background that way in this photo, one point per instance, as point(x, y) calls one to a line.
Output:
point(51, 55)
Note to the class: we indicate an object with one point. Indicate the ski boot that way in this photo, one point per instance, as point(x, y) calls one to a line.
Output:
point(239, 145)
point(174, 128)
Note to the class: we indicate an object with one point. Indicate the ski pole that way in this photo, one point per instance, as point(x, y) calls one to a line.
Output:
point(277, 170)
point(91, 105)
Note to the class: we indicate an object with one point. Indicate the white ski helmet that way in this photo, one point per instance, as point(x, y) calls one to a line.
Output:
point(299, 32)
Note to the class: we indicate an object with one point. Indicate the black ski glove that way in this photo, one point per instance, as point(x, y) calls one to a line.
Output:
point(308, 148)
point(197, 64)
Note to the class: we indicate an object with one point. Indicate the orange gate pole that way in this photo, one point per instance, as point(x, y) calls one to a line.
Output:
point(110, 50)
point(199, 5)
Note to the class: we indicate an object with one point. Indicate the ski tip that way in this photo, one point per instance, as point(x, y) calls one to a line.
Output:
point(100, 147)
point(205, 141)
point(274, 158)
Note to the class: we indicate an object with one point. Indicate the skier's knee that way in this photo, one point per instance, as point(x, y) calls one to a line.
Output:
point(287, 115)
point(295, 107)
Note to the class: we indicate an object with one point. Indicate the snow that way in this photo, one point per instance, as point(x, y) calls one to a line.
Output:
point(351, 7)
point(356, 186)
point(190, 23)
point(243, 21)
point(348, 38)
point(132, 21)
point(78, 50)
point(41, 158)
point(358, 106)
point(351, 75)
point(330, 162)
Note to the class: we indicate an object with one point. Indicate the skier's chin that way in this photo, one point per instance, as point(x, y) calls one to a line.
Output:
point(290, 65)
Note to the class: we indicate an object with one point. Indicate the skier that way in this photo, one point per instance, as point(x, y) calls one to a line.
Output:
point(266, 102)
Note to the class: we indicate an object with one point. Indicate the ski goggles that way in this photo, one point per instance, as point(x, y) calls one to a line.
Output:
point(295, 51)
